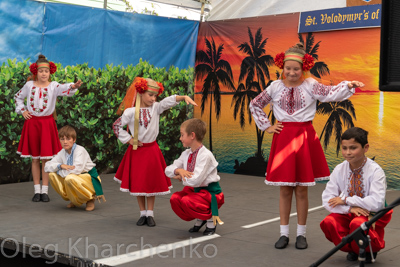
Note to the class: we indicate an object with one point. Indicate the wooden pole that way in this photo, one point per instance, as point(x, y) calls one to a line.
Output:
point(105, 4)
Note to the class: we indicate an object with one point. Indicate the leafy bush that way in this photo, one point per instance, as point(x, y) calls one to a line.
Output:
point(92, 111)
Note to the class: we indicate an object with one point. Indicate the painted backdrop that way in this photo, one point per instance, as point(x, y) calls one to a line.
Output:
point(240, 54)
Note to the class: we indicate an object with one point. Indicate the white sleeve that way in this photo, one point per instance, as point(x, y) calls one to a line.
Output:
point(52, 165)
point(19, 99)
point(257, 106)
point(118, 125)
point(204, 163)
point(332, 190)
point(375, 200)
point(329, 93)
point(64, 89)
point(178, 164)
point(166, 103)
point(80, 159)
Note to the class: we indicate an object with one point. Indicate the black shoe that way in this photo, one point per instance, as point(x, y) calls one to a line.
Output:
point(351, 256)
point(210, 231)
point(197, 228)
point(301, 242)
point(368, 258)
point(142, 221)
point(36, 198)
point(150, 221)
point(44, 197)
point(282, 242)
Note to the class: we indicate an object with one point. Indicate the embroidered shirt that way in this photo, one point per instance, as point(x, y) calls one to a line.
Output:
point(372, 185)
point(79, 158)
point(295, 104)
point(148, 122)
point(205, 167)
point(41, 101)
point(192, 159)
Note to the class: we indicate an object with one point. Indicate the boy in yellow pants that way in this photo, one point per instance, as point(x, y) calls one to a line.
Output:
point(72, 173)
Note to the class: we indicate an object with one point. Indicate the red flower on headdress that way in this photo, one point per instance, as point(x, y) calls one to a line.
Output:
point(308, 62)
point(33, 68)
point(161, 88)
point(53, 68)
point(279, 60)
point(141, 85)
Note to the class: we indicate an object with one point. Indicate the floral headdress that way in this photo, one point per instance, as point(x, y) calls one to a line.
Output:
point(139, 85)
point(307, 60)
point(34, 67)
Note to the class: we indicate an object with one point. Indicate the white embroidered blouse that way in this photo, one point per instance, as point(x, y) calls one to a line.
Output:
point(149, 119)
point(41, 101)
point(205, 170)
point(295, 104)
point(371, 187)
point(81, 161)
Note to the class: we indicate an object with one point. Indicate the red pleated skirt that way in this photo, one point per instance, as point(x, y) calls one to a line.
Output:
point(141, 171)
point(39, 138)
point(189, 205)
point(296, 157)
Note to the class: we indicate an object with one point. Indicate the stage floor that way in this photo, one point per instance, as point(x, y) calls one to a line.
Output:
point(109, 236)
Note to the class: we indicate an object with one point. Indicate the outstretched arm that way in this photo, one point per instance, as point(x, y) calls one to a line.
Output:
point(185, 98)
point(354, 84)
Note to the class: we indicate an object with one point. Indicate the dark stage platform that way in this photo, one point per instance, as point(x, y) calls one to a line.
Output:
point(109, 236)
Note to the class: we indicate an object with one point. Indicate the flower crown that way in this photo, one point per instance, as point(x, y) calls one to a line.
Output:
point(307, 61)
point(34, 67)
point(142, 86)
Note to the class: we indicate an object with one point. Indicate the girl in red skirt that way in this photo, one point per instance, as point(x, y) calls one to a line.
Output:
point(141, 172)
point(39, 137)
point(296, 158)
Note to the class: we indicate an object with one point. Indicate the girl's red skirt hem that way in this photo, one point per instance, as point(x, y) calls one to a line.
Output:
point(141, 171)
point(39, 138)
point(296, 157)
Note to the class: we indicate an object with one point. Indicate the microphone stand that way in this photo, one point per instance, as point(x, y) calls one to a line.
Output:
point(359, 236)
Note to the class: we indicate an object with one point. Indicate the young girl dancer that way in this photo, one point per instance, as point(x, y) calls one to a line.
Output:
point(141, 171)
point(296, 159)
point(39, 137)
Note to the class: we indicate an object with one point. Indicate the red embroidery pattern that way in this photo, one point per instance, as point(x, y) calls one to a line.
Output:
point(260, 101)
point(192, 160)
point(144, 117)
point(356, 184)
point(324, 90)
point(292, 99)
point(116, 125)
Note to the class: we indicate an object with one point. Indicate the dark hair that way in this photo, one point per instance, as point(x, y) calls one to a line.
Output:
point(297, 48)
point(196, 126)
point(67, 131)
point(360, 135)
point(41, 58)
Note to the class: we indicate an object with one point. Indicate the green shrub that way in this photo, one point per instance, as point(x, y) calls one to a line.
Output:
point(92, 111)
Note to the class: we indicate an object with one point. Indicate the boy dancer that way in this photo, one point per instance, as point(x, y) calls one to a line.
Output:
point(202, 196)
point(72, 172)
point(356, 189)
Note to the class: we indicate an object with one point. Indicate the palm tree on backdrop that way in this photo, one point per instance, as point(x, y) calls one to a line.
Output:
point(254, 68)
point(340, 113)
point(214, 71)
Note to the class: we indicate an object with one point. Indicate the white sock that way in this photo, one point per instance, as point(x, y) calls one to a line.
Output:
point(37, 188)
point(284, 230)
point(198, 222)
point(301, 230)
point(143, 213)
point(210, 223)
point(45, 189)
point(150, 213)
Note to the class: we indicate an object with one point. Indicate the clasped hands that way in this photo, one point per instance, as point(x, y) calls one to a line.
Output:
point(333, 202)
point(182, 173)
